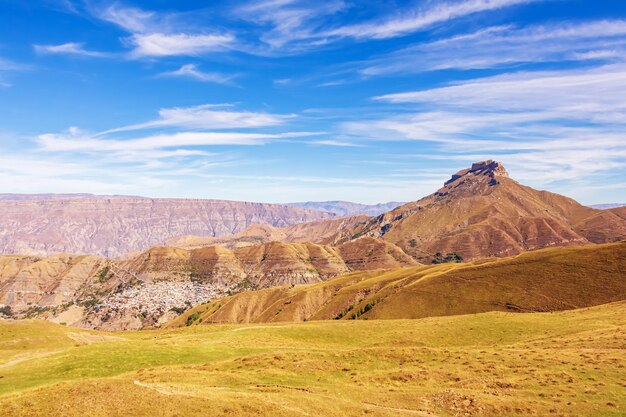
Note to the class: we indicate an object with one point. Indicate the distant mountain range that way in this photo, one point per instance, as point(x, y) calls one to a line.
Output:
point(113, 226)
point(346, 208)
point(607, 206)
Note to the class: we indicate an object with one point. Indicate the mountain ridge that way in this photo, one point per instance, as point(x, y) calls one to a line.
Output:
point(112, 227)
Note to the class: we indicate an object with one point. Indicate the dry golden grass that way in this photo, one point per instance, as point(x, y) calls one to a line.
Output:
point(493, 364)
point(547, 280)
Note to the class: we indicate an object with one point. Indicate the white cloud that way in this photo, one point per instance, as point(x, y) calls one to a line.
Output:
point(179, 44)
point(546, 126)
point(298, 25)
point(594, 94)
point(339, 143)
point(192, 71)
point(289, 21)
point(506, 45)
point(130, 19)
point(70, 48)
point(162, 34)
point(208, 116)
point(409, 21)
point(77, 141)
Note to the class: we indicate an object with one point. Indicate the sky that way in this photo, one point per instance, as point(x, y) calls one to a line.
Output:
point(286, 100)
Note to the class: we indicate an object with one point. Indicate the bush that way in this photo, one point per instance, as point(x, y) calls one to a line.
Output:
point(178, 310)
point(6, 310)
point(192, 318)
point(104, 275)
point(449, 258)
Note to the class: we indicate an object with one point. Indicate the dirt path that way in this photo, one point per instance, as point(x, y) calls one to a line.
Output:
point(27, 357)
point(400, 410)
point(257, 327)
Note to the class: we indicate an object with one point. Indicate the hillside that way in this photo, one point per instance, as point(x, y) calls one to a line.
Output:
point(328, 232)
point(546, 280)
point(112, 227)
point(140, 290)
point(346, 208)
point(481, 212)
point(489, 365)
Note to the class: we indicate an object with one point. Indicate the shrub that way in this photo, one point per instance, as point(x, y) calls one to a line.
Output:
point(178, 310)
point(449, 258)
point(192, 318)
point(6, 310)
point(104, 275)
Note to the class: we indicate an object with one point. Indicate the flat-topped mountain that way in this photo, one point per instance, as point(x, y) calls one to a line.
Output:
point(115, 226)
point(482, 212)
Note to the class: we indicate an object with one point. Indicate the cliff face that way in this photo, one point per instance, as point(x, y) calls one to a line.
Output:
point(140, 291)
point(112, 227)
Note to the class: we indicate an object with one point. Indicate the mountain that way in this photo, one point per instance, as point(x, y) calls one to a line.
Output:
point(141, 290)
point(607, 206)
point(327, 232)
point(115, 226)
point(40, 197)
point(346, 208)
point(547, 280)
point(481, 212)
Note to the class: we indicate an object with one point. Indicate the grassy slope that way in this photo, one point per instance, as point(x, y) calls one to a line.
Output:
point(492, 364)
point(546, 280)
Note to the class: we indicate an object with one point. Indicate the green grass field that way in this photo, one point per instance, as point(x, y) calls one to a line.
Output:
point(492, 364)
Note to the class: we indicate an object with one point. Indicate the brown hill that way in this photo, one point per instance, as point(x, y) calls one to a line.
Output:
point(139, 290)
point(481, 212)
point(546, 280)
point(115, 226)
point(328, 232)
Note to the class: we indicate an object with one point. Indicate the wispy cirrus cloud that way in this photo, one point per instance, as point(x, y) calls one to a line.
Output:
point(179, 132)
point(131, 19)
point(595, 94)
point(178, 44)
point(502, 46)
point(69, 48)
point(569, 123)
point(295, 25)
point(192, 71)
point(413, 20)
point(8, 66)
point(154, 35)
point(208, 116)
point(75, 140)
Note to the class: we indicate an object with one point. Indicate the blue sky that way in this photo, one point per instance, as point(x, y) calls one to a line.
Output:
point(285, 100)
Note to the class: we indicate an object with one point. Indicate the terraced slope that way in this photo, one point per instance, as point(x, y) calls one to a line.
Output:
point(488, 365)
point(546, 280)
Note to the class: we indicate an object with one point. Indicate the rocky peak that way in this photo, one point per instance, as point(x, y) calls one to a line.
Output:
point(487, 168)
